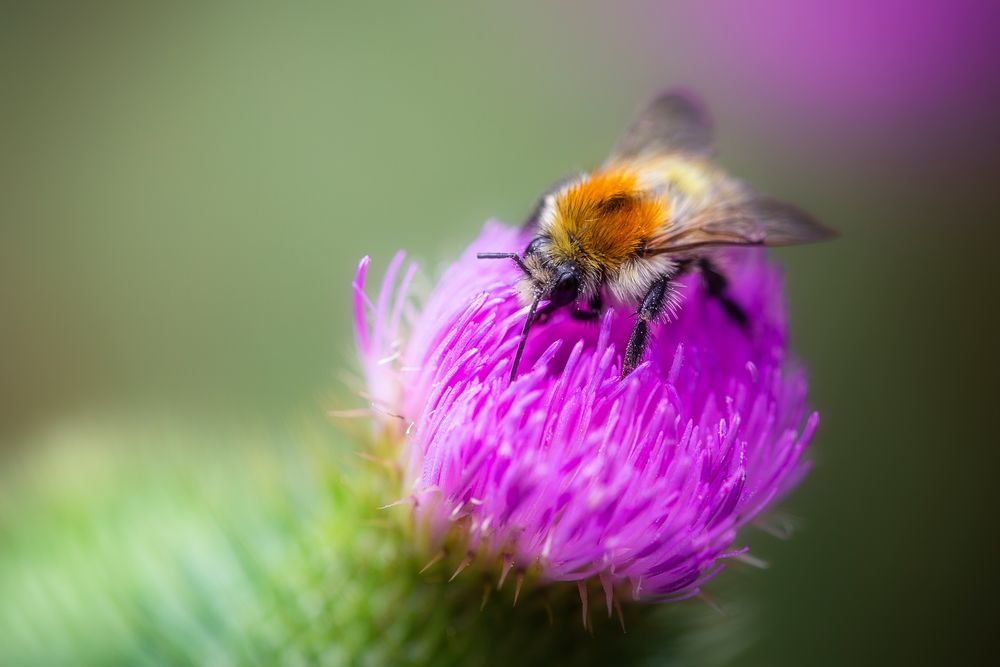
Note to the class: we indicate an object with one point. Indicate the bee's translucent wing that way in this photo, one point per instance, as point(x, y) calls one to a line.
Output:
point(673, 122)
point(785, 224)
point(759, 221)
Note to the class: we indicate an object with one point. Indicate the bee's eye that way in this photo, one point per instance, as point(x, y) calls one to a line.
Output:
point(534, 246)
point(565, 290)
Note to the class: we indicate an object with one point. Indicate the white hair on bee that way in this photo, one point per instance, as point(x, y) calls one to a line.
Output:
point(539, 274)
point(631, 282)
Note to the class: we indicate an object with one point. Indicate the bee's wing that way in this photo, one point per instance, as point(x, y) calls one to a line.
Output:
point(671, 123)
point(758, 221)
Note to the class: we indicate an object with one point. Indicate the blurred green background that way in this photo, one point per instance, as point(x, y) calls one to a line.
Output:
point(186, 192)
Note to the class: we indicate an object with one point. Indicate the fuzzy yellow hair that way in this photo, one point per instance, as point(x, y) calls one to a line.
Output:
point(602, 221)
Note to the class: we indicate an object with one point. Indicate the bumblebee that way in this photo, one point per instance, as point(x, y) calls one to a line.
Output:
point(652, 212)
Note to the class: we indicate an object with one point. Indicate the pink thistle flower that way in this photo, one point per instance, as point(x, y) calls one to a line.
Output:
point(569, 472)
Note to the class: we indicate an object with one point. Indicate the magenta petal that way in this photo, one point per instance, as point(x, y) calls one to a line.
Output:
point(643, 482)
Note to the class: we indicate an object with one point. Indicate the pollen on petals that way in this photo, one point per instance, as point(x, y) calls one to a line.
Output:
point(639, 484)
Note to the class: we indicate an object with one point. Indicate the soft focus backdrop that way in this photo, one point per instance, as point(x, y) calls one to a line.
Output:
point(184, 193)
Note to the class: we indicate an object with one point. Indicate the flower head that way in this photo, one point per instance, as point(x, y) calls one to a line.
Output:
point(568, 471)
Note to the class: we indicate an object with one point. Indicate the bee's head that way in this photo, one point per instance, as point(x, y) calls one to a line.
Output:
point(559, 283)
point(547, 278)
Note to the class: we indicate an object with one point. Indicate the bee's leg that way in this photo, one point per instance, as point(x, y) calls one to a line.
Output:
point(716, 285)
point(650, 309)
point(594, 309)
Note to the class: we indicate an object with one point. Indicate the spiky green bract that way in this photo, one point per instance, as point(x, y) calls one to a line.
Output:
point(149, 546)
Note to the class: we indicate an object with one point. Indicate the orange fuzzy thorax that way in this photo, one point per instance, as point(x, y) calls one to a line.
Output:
point(605, 219)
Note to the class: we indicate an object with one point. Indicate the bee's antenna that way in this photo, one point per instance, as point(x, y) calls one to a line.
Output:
point(505, 255)
point(524, 336)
